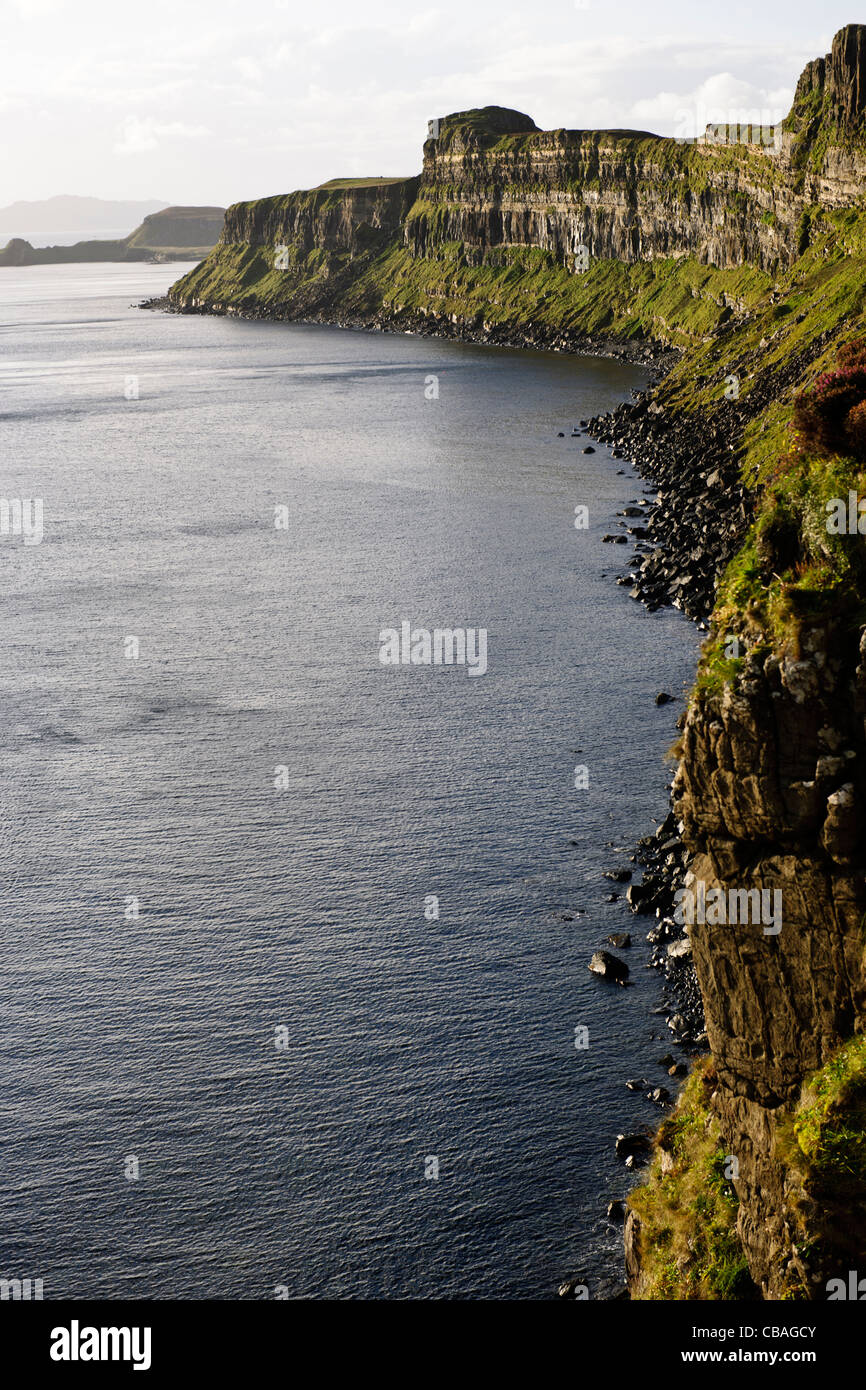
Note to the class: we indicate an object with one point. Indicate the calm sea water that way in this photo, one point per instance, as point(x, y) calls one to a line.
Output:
point(171, 915)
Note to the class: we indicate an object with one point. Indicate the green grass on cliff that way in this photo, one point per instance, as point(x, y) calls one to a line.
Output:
point(773, 597)
point(688, 1208)
point(672, 301)
point(822, 1143)
point(829, 1125)
point(775, 321)
point(777, 348)
point(771, 604)
point(675, 302)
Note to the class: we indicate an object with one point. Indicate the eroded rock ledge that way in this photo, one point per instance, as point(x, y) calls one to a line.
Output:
point(770, 792)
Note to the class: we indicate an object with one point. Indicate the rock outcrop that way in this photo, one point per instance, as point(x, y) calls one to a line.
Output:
point(846, 76)
point(623, 195)
point(341, 216)
point(770, 790)
point(836, 84)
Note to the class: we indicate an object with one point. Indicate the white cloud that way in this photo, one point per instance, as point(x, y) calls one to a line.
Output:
point(35, 9)
point(249, 69)
point(722, 98)
point(289, 97)
point(137, 136)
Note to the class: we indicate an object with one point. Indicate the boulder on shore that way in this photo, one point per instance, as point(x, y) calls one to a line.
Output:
point(622, 939)
point(609, 967)
point(633, 1145)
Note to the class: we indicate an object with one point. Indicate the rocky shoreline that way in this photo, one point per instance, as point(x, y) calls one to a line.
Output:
point(534, 337)
point(701, 510)
point(684, 537)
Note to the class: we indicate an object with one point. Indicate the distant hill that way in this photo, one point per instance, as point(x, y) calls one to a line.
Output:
point(68, 213)
point(179, 227)
point(174, 234)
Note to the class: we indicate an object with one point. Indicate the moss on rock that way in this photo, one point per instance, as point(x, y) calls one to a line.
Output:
point(687, 1208)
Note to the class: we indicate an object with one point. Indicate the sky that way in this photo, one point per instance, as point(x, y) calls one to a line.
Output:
point(213, 101)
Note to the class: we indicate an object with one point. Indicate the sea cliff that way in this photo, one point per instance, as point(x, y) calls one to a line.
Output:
point(739, 265)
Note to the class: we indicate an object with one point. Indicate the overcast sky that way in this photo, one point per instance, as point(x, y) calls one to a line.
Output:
point(211, 101)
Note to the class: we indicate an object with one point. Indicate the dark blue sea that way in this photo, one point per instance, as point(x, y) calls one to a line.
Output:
point(242, 1057)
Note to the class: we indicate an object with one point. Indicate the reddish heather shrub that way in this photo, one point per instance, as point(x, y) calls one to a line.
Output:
point(855, 430)
point(824, 416)
point(852, 354)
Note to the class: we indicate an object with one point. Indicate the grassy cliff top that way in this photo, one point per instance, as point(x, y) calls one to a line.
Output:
point(381, 182)
point(490, 120)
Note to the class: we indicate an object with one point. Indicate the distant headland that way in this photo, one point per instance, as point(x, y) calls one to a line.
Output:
point(172, 234)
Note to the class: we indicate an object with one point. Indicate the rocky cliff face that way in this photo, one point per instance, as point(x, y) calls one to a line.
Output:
point(770, 792)
point(846, 76)
point(768, 799)
point(624, 196)
point(491, 183)
point(301, 255)
point(822, 139)
point(495, 192)
point(836, 83)
point(341, 216)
